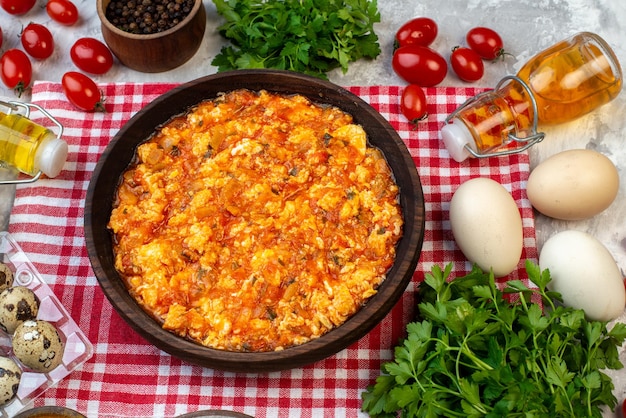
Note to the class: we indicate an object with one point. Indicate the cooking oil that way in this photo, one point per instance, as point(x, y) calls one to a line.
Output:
point(560, 84)
point(572, 78)
point(30, 147)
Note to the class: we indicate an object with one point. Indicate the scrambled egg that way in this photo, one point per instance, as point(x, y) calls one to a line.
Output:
point(256, 222)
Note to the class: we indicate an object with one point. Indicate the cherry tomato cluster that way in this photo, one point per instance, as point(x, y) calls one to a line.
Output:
point(483, 44)
point(413, 59)
point(62, 11)
point(88, 54)
point(421, 66)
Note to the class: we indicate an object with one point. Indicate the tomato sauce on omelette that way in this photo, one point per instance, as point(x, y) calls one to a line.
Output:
point(256, 221)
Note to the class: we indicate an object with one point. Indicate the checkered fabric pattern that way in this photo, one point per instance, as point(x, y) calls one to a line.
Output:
point(129, 377)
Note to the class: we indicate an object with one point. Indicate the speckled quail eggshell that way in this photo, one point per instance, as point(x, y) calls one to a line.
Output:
point(585, 273)
point(38, 345)
point(487, 225)
point(10, 376)
point(6, 276)
point(17, 304)
point(573, 185)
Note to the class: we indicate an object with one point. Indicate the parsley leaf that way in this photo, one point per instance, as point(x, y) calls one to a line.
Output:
point(306, 36)
point(475, 353)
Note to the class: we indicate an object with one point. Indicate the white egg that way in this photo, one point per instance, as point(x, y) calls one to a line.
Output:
point(584, 272)
point(487, 225)
point(573, 185)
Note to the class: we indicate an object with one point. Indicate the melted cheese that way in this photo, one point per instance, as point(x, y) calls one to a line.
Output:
point(256, 222)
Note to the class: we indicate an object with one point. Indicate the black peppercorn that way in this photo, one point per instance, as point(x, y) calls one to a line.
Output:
point(147, 16)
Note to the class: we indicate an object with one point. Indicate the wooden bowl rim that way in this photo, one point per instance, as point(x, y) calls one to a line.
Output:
point(214, 413)
point(332, 342)
point(150, 36)
point(46, 411)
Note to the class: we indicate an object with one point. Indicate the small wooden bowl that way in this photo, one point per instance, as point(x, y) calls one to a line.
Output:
point(214, 414)
point(50, 412)
point(158, 52)
point(121, 150)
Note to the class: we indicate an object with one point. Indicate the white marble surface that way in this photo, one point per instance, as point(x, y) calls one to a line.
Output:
point(527, 26)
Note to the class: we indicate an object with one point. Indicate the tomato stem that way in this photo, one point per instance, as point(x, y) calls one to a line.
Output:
point(19, 89)
point(416, 121)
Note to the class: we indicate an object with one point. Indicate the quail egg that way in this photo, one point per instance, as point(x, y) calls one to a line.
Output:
point(37, 344)
point(17, 304)
point(10, 376)
point(6, 277)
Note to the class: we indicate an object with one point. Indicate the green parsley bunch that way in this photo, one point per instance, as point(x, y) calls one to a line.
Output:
point(478, 352)
point(306, 36)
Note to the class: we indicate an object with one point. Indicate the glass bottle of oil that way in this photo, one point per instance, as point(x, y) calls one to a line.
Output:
point(557, 85)
point(30, 147)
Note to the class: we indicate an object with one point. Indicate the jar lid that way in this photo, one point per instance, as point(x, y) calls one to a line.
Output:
point(456, 136)
point(51, 155)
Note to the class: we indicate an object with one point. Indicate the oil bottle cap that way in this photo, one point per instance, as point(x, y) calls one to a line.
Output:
point(456, 136)
point(51, 155)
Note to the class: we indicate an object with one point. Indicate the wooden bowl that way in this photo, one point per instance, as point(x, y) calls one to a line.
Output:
point(214, 414)
point(50, 412)
point(158, 52)
point(119, 154)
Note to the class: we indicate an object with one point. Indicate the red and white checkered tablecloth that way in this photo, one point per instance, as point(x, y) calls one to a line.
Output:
point(129, 377)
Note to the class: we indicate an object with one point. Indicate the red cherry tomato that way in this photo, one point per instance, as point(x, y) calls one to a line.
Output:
point(62, 11)
point(486, 42)
point(413, 103)
point(419, 65)
point(91, 55)
point(17, 7)
point(419, 31)
point(37, 41)
point(82, 91)
point(467, 64)
point(16, 70)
